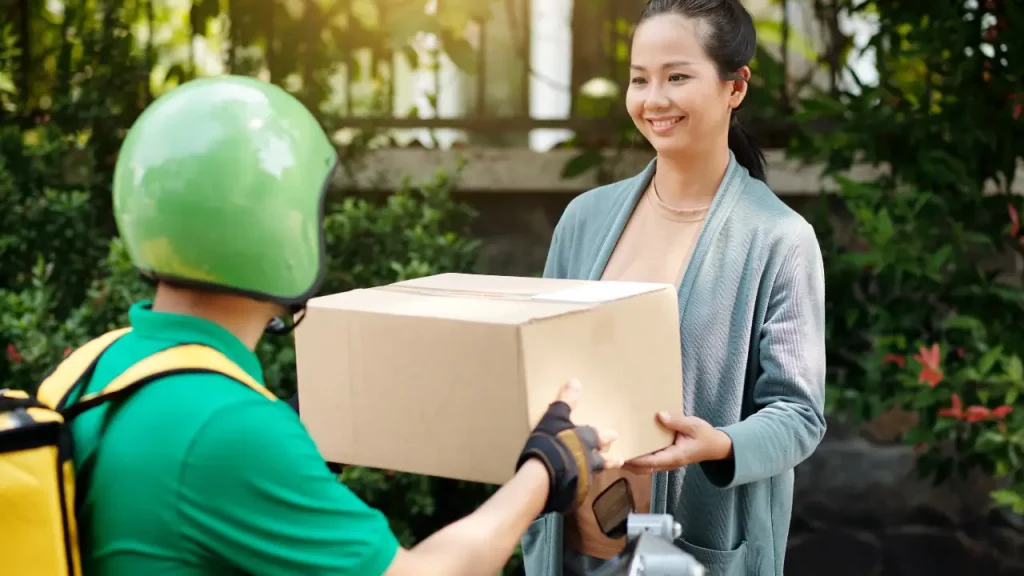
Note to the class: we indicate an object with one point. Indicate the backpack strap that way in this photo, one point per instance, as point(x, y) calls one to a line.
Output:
point(183, 359)
point(56, 386)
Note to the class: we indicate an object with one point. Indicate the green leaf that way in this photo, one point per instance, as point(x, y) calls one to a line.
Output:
point(1014, 369)
point(581, 163)
point(961, 322)
point(988, 360)
point(1010, 499)
point(939, 259)
point(1011, 396)
point(461, 52)
point(1002, 468)
point(6, 84)
point(915, 436)
point(405, 19)
point(943, 425)
point(989, 440)
point(770, 31)
point(884, 230)
point(457, 13)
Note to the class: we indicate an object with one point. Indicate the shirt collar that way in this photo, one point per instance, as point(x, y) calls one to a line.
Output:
point(183, 329)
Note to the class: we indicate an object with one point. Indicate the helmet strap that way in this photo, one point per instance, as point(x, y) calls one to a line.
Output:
point(279, 327)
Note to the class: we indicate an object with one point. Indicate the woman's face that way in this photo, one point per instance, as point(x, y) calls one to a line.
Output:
point(676, 96)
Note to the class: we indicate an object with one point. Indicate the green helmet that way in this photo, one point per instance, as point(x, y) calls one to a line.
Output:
point(220, 185)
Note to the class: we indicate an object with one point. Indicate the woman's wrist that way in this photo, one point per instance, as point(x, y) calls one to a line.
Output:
point(719, 445)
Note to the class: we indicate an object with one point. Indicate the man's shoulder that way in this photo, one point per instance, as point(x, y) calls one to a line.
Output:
point(161, 424)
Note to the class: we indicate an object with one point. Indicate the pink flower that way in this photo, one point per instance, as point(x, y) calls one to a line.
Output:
point(929, 360)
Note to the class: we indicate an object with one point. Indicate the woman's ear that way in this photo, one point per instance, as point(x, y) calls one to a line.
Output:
point(738, 87)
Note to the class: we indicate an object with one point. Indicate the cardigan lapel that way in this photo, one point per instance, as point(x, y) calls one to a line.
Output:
point(729, 191)
point(619, 216)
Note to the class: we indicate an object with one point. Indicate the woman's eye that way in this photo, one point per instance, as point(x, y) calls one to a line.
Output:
point(677, 77)
point(638, 81)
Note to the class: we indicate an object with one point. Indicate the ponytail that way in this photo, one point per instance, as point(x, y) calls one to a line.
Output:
point(748, 154)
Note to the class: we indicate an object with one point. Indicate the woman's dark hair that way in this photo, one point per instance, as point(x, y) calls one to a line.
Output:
point(728, 37)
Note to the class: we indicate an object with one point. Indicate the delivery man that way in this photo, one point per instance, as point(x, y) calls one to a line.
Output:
point(218, 196)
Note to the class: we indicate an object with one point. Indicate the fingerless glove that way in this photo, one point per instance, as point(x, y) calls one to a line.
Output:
point(570, 453)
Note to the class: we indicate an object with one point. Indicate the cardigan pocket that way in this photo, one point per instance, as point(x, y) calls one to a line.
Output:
point(718, 562)
point(542, 546)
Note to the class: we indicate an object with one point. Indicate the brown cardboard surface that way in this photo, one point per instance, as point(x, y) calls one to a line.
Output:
point(446, 375)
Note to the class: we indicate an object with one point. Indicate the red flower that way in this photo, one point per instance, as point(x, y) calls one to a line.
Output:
point(921, 447)
point(1014, 220)
point(930, 376)
point(1017, 109)
point(13, 354)
point(67, 351)
point(894, 359)
point(1001, 412)
point(929, 360)
point(960, 352)
point(977, 414)
point(955, 410)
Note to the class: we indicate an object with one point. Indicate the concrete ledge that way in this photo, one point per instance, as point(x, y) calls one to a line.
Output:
point(521, 170)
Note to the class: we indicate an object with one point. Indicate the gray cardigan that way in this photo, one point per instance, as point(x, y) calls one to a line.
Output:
point(752, 320)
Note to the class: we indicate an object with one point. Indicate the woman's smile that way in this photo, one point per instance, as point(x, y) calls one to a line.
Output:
point(663, 124)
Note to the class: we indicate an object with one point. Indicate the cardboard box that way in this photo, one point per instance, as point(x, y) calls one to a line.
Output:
point(446, 375)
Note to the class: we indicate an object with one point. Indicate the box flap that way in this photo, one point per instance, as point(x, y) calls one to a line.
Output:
point(481, 298)
point(486, 284)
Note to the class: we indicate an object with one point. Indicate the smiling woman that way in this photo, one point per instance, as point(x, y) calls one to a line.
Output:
point(751, 301)
point(689, 74)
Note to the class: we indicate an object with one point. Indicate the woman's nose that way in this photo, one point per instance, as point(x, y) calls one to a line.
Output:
point(656, 98)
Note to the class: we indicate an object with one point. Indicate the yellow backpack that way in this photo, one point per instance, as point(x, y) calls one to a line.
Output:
point(38, 530)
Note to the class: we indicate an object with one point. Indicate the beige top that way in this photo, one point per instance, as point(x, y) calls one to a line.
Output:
point(655, 246)
point(657, 242)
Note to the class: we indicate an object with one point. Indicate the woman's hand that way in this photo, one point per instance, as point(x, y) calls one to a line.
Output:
point(696, 441)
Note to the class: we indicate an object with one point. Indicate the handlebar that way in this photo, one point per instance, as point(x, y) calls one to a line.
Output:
point(650, 550)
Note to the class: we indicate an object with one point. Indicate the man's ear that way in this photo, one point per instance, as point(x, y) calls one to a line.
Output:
point(738, 87)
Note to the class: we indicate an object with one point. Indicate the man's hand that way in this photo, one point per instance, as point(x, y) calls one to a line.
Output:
point(696, 441)
point(558, 456)
point(571, 454)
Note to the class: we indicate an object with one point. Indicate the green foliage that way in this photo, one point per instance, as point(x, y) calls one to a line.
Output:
point(924, 306)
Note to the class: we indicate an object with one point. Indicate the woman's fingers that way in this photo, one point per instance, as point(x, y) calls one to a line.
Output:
point(685, 425)
point(668, 459)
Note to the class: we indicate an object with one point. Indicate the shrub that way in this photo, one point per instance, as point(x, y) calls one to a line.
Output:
point(925, 305)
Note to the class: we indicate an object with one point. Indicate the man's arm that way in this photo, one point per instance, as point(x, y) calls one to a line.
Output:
point(489, 534)
point(334, 467)
point(254, 494)
point(482, 542)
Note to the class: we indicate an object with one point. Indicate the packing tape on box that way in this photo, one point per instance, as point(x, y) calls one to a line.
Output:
point(589, 293)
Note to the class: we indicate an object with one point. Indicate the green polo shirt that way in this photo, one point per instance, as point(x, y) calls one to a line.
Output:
point(197, 474)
